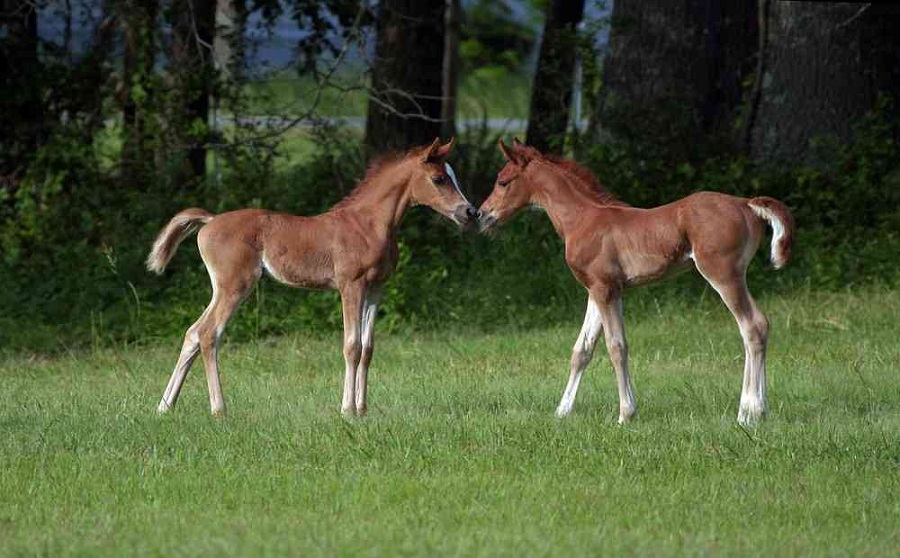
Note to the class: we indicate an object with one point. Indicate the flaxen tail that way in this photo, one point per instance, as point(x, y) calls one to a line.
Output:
point(782, 222)
point(181, 225)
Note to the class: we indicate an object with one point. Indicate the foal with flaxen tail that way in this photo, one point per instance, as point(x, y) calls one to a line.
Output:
point(610, 246)
point(351, 248)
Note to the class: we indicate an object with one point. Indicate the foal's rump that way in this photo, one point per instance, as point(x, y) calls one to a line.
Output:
point(720, 224)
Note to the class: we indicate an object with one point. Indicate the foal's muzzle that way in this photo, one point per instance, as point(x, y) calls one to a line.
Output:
point(486, 221)
point(466, 216)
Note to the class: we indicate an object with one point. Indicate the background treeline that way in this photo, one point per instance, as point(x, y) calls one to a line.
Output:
point(115, 114)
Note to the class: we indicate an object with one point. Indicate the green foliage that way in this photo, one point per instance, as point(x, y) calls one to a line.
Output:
point(494, 36)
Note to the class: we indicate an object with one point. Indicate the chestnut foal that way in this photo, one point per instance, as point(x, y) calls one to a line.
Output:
point(610, 246)
point(351, 248)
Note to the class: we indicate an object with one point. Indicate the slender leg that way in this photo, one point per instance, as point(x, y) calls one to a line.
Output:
point(210, 334)
point(189, 351)
point(582, 353)
point(754, 332)
point(367, 327)
point(616, 345)
point(351, 298)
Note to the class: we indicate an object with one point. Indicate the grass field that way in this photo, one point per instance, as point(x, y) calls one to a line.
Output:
point(497, 94)
point(461, 454)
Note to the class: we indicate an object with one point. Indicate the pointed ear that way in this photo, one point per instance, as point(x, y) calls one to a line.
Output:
point(523, 153)
point(510, 156)
point(444, 151)
point(430, 153)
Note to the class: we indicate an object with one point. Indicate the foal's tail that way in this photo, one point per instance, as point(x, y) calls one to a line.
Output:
point(182, 225)
point(779, 217)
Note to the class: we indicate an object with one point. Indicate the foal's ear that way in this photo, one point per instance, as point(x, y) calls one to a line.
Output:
point(437, 152)
point(510, 156)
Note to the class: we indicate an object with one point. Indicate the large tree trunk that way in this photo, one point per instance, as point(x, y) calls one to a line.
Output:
point(229, 47)
point(451, 67)
point(136, 90)
point(21, 110)
point(673, 76)
point(824, 67)
point(405, 104)
point(551, 93)
point(192, 75)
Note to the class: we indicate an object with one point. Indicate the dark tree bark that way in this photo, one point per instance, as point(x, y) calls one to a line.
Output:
point(21, 110)
point(405, 104)
point(136, 92)
point(451, 67)
point(674, 72)
point(192, 75)
point(551, 94)
point(825, 65)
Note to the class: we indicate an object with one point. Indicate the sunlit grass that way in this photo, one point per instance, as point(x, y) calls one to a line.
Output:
point(461, 454)
point(494, 93)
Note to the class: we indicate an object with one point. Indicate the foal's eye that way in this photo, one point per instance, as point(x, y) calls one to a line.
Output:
point(439, 179)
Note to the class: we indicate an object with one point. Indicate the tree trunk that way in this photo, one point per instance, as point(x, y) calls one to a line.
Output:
point(674, 72)
point(551, 94)
point(192, 74)
point(825, 65)
point(136, 90)
point(21, 110)
point(229, 46)
point(405, 104)
point(451, 67)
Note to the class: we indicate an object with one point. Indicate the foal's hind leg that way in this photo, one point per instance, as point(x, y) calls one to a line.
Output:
point(231, 281)
point(189, 351)
point(732, 287)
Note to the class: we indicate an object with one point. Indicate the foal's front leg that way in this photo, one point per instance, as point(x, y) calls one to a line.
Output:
point(582, 353)
point(367, 334)
point(613, 319)
point(351, 299)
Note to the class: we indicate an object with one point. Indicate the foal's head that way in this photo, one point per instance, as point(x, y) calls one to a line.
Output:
point(514, 187)
point(433, 183)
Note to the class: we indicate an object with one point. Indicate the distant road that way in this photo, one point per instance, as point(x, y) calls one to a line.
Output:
point(359, 122)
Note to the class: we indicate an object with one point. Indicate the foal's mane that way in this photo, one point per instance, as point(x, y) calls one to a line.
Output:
point(584, 177)
point(376, 167)
point(579, 174)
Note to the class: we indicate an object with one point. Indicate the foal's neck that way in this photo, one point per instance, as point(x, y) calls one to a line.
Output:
point(562, 196)
point(382, 199)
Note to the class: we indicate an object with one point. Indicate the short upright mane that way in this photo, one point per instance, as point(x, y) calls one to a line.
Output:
point(375, 167)
point(584, 177)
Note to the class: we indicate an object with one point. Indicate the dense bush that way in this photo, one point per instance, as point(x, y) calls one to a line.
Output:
point(74, 241)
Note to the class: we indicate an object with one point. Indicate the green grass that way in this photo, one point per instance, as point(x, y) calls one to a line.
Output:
point(492, 91)
point(461, 454)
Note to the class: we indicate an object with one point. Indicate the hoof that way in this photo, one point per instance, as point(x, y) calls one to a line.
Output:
point(751, 412)
point(163, 407)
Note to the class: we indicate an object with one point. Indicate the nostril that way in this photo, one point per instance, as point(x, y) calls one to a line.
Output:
point(472, 212)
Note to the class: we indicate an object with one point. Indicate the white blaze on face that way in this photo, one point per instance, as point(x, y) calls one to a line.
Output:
point(452, 176)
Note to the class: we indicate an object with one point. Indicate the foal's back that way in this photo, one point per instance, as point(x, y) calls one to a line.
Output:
point(635, 245)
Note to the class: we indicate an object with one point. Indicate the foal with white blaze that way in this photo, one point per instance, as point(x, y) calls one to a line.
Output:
point(611, 246)
point(351, 248)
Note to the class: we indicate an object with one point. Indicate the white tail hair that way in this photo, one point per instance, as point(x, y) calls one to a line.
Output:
point(178, 228)
point(782, 222)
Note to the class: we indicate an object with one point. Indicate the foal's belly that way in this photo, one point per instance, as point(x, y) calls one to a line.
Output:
point(642, 269)
point(302, 269)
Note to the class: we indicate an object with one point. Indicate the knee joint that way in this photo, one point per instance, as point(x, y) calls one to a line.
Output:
point(616, 350)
